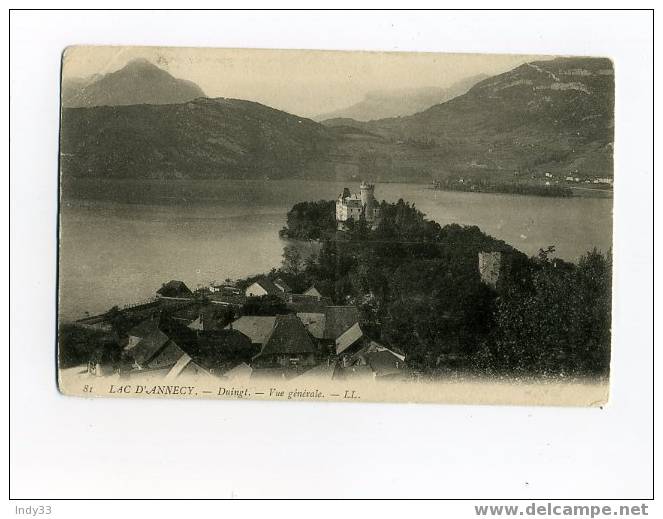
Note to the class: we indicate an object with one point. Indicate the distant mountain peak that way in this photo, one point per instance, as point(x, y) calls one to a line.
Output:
point(138, 62)
point(381, 104)
point(139, 82)
point(142, 65)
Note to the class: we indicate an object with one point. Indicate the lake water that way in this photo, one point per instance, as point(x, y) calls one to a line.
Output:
point(120, 240)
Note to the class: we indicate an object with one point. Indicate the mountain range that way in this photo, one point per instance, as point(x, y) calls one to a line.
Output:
point(545, 116)
point(138, 82)
point(397, 103)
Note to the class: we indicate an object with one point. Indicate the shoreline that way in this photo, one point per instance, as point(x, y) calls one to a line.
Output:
point(586, 192)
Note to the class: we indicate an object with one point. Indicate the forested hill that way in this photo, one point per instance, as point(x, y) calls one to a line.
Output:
point(552, 115)
point(549, 116)
point(419, 288)
point(219, 138)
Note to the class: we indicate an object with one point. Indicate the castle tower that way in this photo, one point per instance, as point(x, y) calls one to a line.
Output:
point(367, 194)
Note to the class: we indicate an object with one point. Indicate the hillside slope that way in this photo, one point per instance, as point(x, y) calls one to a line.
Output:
point(221, 138)
point(555, 115)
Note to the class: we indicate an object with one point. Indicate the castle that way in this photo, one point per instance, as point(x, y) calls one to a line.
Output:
point(355, 206)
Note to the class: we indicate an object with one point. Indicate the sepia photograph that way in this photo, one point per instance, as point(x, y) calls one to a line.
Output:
point(335, 225)
point(265, 258)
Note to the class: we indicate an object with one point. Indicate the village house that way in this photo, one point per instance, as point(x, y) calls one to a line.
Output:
point(209, 318)
point(323, 372)
point(349, 340)
point(307, 303)
point(288, 346)
point(150, 348)
point(262, 287)
point(256, 327)
point(238, 374)
point(312, 291)
point(328, 323)
point(339, 319)
point(355, 349)
point(213, 355)
point(384, 362)
point(186, 367)
point(187, 340)
point(220, 350)
point(314, 322)
point(224, 288)
point(282, 285)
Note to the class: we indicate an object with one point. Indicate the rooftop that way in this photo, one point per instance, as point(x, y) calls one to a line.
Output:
point(338, 319)
point(268, 286)
point(289, 336)
point(256, 327)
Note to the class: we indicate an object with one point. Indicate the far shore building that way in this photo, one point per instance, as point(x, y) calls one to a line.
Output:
point(353, 206)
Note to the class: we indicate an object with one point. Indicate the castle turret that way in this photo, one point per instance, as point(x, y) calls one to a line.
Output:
point(367, 194)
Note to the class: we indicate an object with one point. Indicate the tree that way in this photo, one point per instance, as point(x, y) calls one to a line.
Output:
point(77, 345)
point(310, 220)
point(562, 325)
point(293, 262)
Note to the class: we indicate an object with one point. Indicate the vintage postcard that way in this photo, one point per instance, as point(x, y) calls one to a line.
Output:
point(335, 226)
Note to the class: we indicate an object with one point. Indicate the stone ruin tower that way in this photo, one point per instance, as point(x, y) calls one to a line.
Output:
point(490, 265)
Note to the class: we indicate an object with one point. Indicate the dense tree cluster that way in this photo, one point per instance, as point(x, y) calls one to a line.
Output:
point(418, 287)
point(560, 323)
point(310, 220)
point(514, 188)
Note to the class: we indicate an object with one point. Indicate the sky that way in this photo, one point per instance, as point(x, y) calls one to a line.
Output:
point(302, 82)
